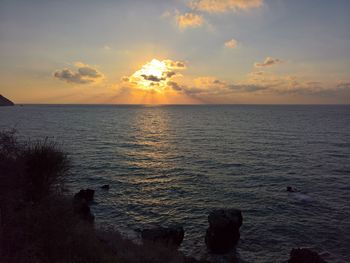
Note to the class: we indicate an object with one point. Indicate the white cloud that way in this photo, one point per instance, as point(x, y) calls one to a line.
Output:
point(232, 43)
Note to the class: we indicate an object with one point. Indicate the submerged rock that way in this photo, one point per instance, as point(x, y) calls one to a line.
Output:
point(105, 187)
point(304, 255)
point(85, 194)
point(223, 232)
point(291, 189)
point(5, 102)
point(170, 237)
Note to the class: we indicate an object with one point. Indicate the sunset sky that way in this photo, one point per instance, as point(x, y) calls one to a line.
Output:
point(175, 51)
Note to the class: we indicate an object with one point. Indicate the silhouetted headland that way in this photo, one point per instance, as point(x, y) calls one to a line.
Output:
point(5, 102)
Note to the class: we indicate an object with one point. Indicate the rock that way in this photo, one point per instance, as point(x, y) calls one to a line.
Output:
point(5, 102)
point(82, 208)
point(87, 195)
point(105, 187)
point(304, 255)
point(291, 189)
point(170, 237)
point(223, 232)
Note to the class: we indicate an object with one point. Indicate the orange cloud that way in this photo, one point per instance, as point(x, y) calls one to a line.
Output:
point(219, 6)
point(189, 20)
point(159, 81)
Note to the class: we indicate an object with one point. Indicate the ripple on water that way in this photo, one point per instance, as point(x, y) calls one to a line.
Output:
point(173, 164)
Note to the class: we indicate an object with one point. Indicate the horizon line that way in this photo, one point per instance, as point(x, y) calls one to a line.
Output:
point(185, 104)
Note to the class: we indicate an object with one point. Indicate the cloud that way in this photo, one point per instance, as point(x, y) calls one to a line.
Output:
point(174, 64)
point(246, 88)
point(155, 74)
point(343, 85)
point(189, 20)
point(125, 79)
point(89, 72)
point(174, 85)
point(152, 78)
point(208, 82)
point(257, 73)
point(206, 87)
point(219, 6)
point(231, 43)
point(70, 76)
point(163, 77)
point(85, 74)
point(293, 85)
point(269, 61)
point(261, 83)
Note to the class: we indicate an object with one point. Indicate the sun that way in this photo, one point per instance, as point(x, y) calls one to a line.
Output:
point(154, 68)
point(153, 75)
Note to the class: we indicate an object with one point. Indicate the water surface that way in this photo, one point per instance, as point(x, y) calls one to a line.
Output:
point(173, 164)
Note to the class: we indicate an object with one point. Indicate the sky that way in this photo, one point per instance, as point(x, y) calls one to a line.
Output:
point(175, 51)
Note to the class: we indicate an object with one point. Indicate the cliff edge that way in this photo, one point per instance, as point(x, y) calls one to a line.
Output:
point(5, 102)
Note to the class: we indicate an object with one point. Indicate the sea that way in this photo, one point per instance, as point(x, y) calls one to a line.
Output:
point(174, 164)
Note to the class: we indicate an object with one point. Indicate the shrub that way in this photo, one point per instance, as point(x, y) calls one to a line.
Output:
point(36, 168)
point(45, 168)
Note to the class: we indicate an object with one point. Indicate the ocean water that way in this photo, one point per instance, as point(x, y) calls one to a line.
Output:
point(173, 164)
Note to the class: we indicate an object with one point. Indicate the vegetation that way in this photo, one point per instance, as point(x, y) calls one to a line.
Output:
point(38, 222)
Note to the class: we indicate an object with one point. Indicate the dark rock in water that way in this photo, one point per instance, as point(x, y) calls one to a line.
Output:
point(81, 207)
point(223, 232)
point(170, 237)
point(5, 102)
point(105, 187)
point(85, 194)
point(304, 255)
point(291, 189)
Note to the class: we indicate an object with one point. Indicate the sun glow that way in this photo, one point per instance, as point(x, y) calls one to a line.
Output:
point(155, 75)
point(154, 68)
point(152, 75)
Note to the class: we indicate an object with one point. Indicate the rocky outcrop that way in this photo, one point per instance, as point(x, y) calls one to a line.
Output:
point(5, 102)
point(85, 194)
point(223, 232)
point(170, 237)
point(304, 255)
point(81, 203)
point(82, 209)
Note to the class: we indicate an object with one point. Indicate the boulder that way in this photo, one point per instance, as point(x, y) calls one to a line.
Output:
point(85, 194)
point(223, 232)
point(105, 187)
point(5, 102)
point(82, 209)
point(170, 237)
point(304, 255)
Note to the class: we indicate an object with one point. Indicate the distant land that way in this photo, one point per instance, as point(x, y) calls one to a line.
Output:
point(5, 102)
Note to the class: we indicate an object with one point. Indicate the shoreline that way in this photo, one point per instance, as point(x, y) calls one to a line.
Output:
point(34, 207)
